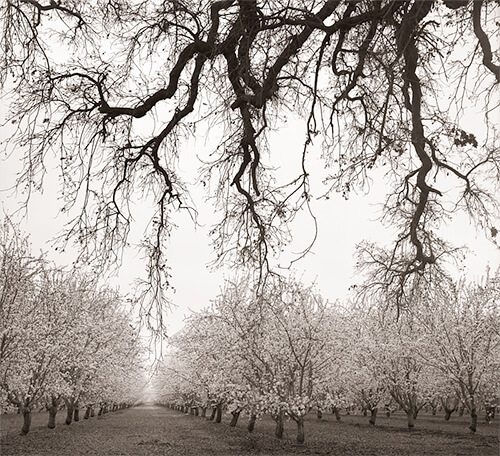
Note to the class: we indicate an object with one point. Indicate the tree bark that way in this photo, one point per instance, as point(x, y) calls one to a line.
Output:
point(319, 414)
point(52, 416)
point(280, 426)
point(69, 413)
point(218, 417)
point(234, 420)
point(411, 419)
point(373, 415)
point(76, 414)
point(300, 430)
point(26, 421)
point(251, 423)
point(212, 415)
point(473, 419)
point(336, 412)
point(87, 413)
point(203, 412)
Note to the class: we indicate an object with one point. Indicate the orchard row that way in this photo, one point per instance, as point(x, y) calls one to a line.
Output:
point(65, 341)
point(288, 352)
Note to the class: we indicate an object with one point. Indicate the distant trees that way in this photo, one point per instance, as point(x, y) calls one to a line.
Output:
point(63, 338)
point(287, 352)
point(266, 355)
point(465, 349)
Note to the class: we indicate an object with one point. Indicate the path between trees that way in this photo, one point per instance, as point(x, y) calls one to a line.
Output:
point(143, 430)
point(153, 431)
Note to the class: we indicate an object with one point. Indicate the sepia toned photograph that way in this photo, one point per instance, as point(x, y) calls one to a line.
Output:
point(249, 227)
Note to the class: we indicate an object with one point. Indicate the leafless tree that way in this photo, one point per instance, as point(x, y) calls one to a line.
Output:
point(116, 86)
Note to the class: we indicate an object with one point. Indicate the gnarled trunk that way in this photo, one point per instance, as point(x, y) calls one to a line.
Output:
point(280, 425)
point(53, 408)
point(251, 423)
point(234, 420)
point(26, 420)
point(473, 419)
point(218, 417)
point(300, 430)
point(52, 416)
point(411, 418)
point(69, 412)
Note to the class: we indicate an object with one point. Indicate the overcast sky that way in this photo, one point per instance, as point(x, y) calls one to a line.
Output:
point(342, 224)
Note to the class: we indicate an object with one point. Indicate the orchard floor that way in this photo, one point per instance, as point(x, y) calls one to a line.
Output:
point(150, 431)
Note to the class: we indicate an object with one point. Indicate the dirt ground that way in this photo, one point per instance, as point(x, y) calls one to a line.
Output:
point(151, 431)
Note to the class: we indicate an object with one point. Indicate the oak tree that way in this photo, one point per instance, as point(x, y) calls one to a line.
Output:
point(116, 88)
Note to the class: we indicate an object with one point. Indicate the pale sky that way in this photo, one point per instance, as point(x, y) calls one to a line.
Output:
point(342, 224)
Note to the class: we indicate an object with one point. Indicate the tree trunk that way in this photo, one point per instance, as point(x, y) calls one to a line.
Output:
point(300, 430)
point(473, 419)
point(461, 410)
point(251, 423)
point(87, 413)
point(76, 414)
point(319, 414)
point(92, 412)
point(280, 426)
point(234, 420)
point(447, 414)
point(212, 415)
point(218, 417)
point(203, 412)
point(411, 419)
point(373, 415)
point(26, 421)
point(69, 413)
point(336, 412)
point(52, 416)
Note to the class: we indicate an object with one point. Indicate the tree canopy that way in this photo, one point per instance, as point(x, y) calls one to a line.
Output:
point(116, 87)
